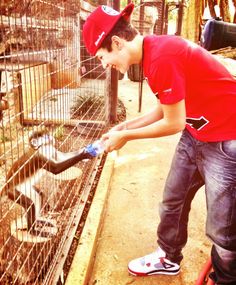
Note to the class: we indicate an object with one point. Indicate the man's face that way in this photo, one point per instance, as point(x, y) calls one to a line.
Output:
point(117, 58)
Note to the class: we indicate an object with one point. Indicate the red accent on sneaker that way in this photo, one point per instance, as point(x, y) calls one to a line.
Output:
point(148, 264)
point(137, 273)
point(162, 260)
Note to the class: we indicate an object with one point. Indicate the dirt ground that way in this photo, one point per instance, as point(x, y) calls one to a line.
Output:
point(131, 216)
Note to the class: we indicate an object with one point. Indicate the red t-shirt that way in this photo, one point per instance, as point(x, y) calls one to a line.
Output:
point(177, 69)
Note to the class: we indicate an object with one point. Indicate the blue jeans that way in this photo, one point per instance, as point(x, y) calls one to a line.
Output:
point(196, 163)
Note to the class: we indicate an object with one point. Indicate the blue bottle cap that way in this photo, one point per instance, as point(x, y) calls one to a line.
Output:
point(91, 150)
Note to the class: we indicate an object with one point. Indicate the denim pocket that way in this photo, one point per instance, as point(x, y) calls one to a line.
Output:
point(228, 148)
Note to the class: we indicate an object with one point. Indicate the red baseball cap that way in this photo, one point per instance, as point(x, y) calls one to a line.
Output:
point(99, 23)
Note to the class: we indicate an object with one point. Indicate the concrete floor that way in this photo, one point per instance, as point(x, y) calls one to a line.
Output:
point(129, 222)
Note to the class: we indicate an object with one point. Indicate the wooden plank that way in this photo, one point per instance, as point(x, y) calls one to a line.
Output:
point(35, 83)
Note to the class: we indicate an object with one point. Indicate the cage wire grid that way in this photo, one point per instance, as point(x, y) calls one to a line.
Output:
point(48, 85)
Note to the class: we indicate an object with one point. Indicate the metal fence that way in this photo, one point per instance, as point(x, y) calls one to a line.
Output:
point(53, 103)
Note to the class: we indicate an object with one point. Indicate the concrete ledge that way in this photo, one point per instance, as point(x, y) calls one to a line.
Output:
point(83, 260)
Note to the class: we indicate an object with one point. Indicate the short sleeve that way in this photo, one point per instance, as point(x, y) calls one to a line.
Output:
point(168, 80)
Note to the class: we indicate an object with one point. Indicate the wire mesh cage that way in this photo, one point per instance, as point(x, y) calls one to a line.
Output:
point(54, 101)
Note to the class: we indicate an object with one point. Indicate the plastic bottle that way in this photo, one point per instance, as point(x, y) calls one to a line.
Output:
point(95, 148)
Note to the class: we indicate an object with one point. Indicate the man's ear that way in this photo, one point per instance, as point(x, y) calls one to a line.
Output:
point(117, 42)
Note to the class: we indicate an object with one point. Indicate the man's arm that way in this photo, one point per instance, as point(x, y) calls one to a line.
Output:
point(141, 121)
point(173, 121)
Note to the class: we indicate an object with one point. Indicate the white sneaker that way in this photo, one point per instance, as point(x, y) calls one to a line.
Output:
point(154, 263)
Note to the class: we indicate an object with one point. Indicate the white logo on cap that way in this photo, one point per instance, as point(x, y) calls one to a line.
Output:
point(99, 38)
point(109, 11)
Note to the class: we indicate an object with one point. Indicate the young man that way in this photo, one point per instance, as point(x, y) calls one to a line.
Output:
point(195, 95)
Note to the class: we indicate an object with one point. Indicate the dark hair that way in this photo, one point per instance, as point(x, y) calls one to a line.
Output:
point(37, 134)
point(122, 29)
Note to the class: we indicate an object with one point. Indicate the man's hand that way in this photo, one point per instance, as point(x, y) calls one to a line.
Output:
point(114, 140)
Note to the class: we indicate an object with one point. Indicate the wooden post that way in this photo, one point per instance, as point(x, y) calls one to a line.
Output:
point(180, 17)
point(114, 96)
point(114, 82)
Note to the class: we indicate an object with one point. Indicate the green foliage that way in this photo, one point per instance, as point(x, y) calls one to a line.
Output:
point(4, 136)
point(124, 3)
point(59, 132)
point(4, 139)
